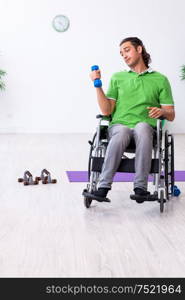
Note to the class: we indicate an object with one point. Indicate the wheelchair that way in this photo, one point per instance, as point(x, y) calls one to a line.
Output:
point(162, 166)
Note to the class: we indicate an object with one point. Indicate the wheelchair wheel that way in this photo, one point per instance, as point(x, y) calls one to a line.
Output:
point(87, 202)
point(161, 200)
point(169, 164)
point(92, 143)
point(97, 153)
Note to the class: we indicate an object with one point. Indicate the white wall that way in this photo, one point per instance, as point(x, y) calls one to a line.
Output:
point(48, 84)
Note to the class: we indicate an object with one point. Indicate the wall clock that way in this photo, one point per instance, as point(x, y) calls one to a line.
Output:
point(60, 23)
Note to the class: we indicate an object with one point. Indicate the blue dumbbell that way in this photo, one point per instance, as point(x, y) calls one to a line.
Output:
point(97, 81)
point(176, 191)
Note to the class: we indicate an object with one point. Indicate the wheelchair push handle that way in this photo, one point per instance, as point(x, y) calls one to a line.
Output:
point(97, 81)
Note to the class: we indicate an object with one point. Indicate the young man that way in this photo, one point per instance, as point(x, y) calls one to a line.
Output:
point(135, 99)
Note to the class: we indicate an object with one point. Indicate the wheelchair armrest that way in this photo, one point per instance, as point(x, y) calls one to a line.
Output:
point(160, 122)
point(105, 117)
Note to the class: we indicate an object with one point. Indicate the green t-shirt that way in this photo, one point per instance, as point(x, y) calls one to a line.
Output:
point(135, 92)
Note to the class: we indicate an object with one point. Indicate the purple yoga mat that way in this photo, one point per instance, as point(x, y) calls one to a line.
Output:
point(82, 176)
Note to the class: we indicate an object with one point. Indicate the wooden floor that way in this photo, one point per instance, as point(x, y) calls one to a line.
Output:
point(45, 230)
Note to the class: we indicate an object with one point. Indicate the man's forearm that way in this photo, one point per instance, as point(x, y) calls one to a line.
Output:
point(169, 114)
point(103, 102)
point(165, 111)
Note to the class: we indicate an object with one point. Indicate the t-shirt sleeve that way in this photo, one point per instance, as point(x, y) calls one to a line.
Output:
point(112, 92)
point(165, 96)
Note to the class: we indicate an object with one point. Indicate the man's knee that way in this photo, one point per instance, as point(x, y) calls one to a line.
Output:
point(143, 130)
point(119, 132)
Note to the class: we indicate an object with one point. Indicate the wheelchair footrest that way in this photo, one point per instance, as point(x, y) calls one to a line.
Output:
point(93, 197)
point(141, 199)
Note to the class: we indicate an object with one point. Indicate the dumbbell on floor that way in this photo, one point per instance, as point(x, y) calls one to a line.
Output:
point(46, 177)
point(28, 179)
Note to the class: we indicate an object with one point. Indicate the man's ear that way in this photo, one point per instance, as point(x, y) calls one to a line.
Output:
point(139, 49)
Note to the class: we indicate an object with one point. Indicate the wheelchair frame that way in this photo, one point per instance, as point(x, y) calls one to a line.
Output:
point(162, 166)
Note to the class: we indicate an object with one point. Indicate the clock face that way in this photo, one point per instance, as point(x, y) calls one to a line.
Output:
point(61, 23)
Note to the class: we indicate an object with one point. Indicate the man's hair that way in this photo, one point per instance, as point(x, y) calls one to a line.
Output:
point(137, 42)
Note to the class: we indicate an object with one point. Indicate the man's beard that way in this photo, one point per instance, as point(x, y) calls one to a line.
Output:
point(134, 63)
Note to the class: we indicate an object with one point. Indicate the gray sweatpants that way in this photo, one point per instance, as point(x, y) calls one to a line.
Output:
point(119, 138)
